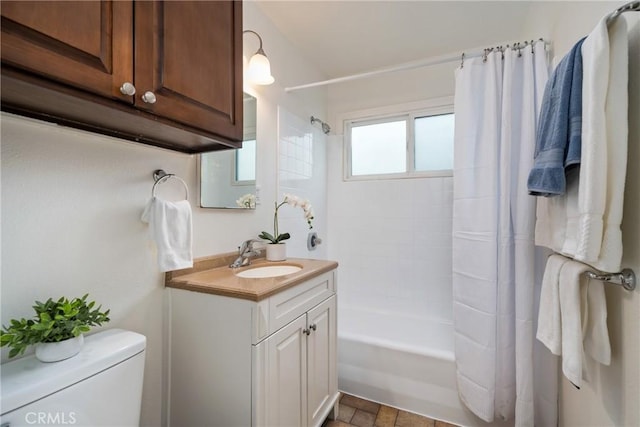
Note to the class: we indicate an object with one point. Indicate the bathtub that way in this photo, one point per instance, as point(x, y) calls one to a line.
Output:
point(403, 362)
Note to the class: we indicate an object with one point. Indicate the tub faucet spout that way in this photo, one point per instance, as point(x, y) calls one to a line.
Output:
point(245, 251)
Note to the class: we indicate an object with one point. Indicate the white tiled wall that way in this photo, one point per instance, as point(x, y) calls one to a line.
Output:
point(392, 239)
point(302, 171)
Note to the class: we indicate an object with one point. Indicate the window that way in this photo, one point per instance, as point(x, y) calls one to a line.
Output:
point(378, 148)
point(413, 144)
point(245, 165)
point(433, 145)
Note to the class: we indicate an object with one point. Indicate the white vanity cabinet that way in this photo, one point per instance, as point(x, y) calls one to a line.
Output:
point(235, 362)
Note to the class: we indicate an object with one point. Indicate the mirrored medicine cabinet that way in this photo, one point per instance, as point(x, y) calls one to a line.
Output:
point(229, 176)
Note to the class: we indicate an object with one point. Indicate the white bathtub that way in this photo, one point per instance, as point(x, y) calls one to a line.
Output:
point(399, 361)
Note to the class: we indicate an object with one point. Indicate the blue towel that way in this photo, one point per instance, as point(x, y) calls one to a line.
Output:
point(559, 134)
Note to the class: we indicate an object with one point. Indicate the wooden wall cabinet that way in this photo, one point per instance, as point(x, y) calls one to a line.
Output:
point(68, 62)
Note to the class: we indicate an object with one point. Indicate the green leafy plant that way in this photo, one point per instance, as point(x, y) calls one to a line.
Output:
point(294, 201)
point(54, 321)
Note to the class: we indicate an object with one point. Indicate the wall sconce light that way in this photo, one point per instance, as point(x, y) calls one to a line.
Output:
point(259, 68)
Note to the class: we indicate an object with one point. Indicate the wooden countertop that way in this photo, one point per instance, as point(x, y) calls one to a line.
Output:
point(212, 275)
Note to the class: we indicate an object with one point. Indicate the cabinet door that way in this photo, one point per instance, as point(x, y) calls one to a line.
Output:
point(286, 400)
point(322, 375)
point(188, 54)
point(83, 44)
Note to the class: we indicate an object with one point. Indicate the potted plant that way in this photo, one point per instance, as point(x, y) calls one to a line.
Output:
point(56, 329)
point(276, 250)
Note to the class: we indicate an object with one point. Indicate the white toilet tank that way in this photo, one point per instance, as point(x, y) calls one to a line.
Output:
point(100, 386)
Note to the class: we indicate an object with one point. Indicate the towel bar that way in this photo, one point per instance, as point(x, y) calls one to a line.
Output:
point(632, 6)
point(626, 278)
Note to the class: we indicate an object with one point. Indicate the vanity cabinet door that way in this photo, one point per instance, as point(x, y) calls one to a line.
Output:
point(82, 44)
point(296, 378)
point(286, 399)
point(322, 376)
point(188, 58)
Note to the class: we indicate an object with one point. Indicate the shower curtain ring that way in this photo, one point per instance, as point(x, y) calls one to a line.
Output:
point(462, 61)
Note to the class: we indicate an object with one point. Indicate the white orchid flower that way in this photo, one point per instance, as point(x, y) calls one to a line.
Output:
point(294, 201)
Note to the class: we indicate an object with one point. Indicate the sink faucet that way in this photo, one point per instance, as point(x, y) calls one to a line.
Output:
point(245, 251)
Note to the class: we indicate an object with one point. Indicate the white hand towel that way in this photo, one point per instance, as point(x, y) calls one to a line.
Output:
point(594, 324)
point(583, 310)
point(549, 321)
point(571, 276)
point(170, 227)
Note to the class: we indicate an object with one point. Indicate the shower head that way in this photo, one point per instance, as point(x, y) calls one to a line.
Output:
point(325, 126)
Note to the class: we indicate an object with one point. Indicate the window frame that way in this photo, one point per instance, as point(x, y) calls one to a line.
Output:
point(234, 170)
point(409, 114)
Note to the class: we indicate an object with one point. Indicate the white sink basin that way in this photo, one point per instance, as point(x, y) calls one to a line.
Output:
point(268, 271)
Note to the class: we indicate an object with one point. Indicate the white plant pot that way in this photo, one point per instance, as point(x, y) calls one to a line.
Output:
point(276, 251)
point(57, 351)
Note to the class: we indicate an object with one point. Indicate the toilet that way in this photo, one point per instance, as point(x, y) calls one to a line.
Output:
point(100, 386)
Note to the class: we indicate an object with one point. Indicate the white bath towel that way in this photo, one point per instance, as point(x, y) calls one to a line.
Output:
point(616, 111)
point(585, 223)
point(593, 168)
point(170, 227)
point(604, 141)
point(549, 321)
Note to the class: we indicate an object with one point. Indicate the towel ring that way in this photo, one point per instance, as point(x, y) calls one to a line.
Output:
point(161, 176)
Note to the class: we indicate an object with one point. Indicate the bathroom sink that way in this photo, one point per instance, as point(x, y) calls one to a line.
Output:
point(268, 271)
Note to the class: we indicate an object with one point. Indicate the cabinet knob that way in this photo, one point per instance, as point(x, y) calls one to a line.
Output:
point(149, 97)
point(312, 326)
point(306, 331)
point(127, 89)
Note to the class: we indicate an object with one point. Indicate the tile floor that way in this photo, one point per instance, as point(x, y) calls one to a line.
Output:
point(363, 413)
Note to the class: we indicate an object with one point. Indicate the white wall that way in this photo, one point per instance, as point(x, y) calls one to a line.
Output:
point(71, 205)
point(302, 171)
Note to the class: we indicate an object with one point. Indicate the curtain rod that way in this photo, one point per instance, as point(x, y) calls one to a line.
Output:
point(632, 6)
point(436, 60)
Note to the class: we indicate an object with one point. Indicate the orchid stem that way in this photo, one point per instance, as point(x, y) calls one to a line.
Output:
point(275, 220)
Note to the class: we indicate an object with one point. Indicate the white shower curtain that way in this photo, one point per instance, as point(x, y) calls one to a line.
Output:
point(494, 274)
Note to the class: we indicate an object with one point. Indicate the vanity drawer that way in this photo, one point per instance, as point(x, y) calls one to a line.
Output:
point(287, 305)
point(283, 307)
